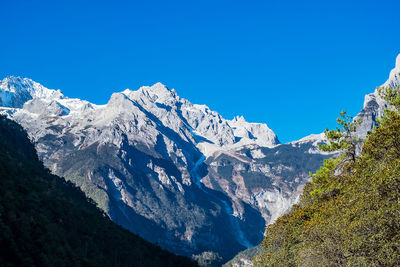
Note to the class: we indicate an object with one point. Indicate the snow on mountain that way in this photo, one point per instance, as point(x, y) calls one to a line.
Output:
point(176, 173)
point(204, 125)
point(198, 121)
point(252, 133)
point(15, 91)
point(315, 140)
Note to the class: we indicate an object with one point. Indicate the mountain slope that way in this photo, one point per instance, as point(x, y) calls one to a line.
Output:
point(375, 105)
point(348, 215)
point(347, 218)
point(176, 173)
point(46, 221)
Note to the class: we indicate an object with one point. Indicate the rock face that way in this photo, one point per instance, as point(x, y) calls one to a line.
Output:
point(16, 91)
point(176, 173)
point(375, 105)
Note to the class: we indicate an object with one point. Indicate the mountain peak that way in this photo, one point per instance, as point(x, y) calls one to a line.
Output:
point(15, 83)
point(15, 91)
point(159, 89)
point(158, 93)
point(13, 79)
point(160, 85)
point(238, 119)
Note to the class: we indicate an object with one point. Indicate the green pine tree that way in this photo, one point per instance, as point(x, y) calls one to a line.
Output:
point(343, 138)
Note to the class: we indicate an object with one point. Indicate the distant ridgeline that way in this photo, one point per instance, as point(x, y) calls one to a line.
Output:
point(46, 221)
point(349, 214)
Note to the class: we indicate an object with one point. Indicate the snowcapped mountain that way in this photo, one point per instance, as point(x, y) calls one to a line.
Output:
point(15, 91)
point(176, 173)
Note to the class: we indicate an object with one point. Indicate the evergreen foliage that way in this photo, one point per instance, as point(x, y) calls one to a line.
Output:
point(343, 137)
point(47, 221)
point(391, 95)
point(348, 217)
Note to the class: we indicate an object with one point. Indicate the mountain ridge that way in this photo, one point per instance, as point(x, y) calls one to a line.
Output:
point(47, 221)
point(157, 94)
point(176, 173)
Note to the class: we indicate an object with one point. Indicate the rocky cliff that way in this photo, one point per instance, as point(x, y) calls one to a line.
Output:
point(176, 173)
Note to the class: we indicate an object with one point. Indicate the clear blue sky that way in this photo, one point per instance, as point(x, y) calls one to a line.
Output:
point(291, 64)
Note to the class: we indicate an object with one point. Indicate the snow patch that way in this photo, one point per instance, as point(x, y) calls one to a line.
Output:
point(257, 154)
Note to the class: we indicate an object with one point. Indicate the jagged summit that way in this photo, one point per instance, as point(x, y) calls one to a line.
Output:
point(156, 89)
point(156, 103)
point(15, 91)
point(16, 84)
point(238, 119)
point(157, 93)
point(177, 173)
point(175, 113)
point(118, 99)
point(252, 133)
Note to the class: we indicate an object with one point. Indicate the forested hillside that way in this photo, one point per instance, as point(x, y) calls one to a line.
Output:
point(46, 221)
point(349, 214)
